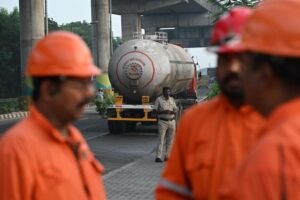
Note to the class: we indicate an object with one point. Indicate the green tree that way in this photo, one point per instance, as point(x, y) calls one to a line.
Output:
point(84, 30)
point(103, 103)
point(225, 5)
point(52, 25)
point(10, 78)
point(81, 28)
point(117, 41)
point(214, 90)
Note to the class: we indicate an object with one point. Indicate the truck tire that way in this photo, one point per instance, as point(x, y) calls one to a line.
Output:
point(116, 127)
point(130, 126)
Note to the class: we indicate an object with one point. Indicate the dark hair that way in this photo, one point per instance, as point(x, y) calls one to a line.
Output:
point(166, 88)
point(286, 68)
point(37, 82)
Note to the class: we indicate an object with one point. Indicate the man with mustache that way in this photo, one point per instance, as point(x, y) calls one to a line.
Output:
point(44, 156)
point(271, 78)
point(213, 137)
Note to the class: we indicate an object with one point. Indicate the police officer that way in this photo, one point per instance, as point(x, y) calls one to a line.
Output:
point(165, 108)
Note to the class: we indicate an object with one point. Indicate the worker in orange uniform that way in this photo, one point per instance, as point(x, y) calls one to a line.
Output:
point(272, 85)
point(213, 137)
point(44, 156)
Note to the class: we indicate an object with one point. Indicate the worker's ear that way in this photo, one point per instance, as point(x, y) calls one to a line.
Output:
point(266, 75)
point(48, 89)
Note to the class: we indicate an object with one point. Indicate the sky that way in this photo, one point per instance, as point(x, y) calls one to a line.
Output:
point(61, 12)
point(66, 11)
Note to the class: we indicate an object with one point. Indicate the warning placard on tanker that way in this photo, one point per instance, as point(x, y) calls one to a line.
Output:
point(119, 100)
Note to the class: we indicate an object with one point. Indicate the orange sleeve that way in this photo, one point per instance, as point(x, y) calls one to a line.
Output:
point(16, 181)
point(173, 184)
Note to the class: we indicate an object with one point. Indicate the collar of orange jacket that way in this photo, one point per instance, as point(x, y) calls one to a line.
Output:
point(283, 112)
point(45, 124)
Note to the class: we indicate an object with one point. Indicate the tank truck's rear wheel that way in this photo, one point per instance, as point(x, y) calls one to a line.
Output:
point(116, 127)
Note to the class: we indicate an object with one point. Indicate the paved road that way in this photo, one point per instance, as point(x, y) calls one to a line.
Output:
point(115, 151)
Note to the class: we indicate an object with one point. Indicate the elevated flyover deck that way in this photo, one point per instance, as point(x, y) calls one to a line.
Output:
point(187, 22)
point(162, 7)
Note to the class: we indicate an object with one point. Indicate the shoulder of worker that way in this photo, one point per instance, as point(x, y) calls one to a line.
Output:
point(29, 133)
point(264, 160)
point(197, 116)
point(203, 108)
point(77, 134)
point(277, 141)
point(284, 133)
point(19, 137)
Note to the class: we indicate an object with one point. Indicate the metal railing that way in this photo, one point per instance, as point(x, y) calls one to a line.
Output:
point(9, 100)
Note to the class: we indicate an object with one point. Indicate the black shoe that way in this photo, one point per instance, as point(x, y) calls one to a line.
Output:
point(158, 160)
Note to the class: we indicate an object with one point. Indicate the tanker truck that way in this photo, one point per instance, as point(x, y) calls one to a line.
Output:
point(138, 70)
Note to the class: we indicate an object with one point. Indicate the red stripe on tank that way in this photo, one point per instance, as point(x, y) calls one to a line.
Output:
point(152, 64)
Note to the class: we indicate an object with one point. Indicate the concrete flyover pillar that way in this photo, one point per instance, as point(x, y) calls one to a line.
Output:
point(101, 38)
point(130, 23)
point(31, 29)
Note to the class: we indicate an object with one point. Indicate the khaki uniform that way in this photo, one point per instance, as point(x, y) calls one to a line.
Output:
point(166, 125)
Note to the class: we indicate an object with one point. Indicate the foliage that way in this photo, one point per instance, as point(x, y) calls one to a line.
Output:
point(225, 6)
point(117, 41)
point(103, 103)
point(52, 25)
point(84, 30)
point(10, 79)
point(23, 103)
point(10, 58)
point(228, 4)
point(14, 104)
point(81, 28)
point(8, 105)
point(214, 90)
point(6, 108)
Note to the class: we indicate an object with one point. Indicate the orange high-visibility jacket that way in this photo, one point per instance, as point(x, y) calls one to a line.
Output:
point(37, 162)
point(271, 171)
point(211, 140)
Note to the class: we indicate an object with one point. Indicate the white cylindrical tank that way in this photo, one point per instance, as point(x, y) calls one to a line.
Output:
point(143, 67)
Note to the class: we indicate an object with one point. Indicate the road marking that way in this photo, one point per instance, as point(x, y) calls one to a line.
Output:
point(93, 137)
point(113, 172)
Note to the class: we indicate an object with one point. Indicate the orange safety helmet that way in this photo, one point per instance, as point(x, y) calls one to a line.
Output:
point(274, 29)
point(61, 54)
point(227, 31)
